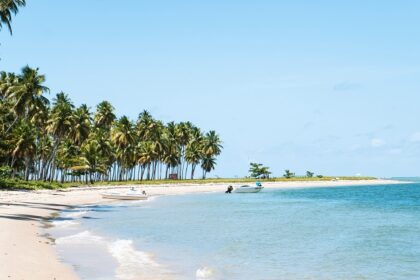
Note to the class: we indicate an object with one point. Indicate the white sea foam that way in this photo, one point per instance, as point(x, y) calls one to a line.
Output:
point(64, 223)
point(134, 264)
point(75, 214)
point(84, 237)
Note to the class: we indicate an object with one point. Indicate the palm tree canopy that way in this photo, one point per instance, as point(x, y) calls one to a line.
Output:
point(61, 120)
point(212, 144)
point(7, 9)
point(82, 124)
point(26, 91)
point(104, 116)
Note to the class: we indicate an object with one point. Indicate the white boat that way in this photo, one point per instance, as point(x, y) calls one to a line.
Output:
point(249, 189)
point(129, 195)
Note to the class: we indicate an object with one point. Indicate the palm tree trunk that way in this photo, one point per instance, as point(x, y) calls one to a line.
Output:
point(166, 172)
point(192, 170)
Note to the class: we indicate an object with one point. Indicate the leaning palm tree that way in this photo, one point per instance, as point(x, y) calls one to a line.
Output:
point(60, 125)
point(7, 9)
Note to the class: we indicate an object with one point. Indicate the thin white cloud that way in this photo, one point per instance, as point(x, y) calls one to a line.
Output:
point(377, 142)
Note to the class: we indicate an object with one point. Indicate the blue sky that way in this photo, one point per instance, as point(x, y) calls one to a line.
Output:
point(331, 87)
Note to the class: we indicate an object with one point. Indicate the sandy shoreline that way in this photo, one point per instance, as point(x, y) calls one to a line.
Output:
point(27, 254)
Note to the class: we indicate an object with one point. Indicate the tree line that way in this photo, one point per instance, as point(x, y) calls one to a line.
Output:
point(57, 141)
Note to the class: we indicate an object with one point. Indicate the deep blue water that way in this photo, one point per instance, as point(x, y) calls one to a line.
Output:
point(363, 232)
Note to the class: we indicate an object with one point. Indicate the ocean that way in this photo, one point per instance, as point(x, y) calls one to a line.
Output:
point(358, 232)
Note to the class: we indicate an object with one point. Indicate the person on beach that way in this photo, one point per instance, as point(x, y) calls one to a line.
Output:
point(229, 189)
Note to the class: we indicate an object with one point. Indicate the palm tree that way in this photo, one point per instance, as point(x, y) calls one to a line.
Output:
point(193, 155)
point(106, 149)
point(194, 149)
point(212, 146)
point(82, 124)
point(145, 126)
point(145, 157)
point(171, 154)
point(183, 131)
point(92, 160)
point(24, 146)
point(208, 164)
point(7, 9)
point(26, 92)
point(104, 116)
point(60, 125)
point(67, 156)
point(43, 141)
point(124, 138)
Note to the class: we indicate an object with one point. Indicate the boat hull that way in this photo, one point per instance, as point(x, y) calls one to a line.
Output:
point(248, 189)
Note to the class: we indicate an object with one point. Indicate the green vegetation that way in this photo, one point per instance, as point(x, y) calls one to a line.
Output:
point(7, 9)
point(43, 141)
point(257, 170)
point(288, 174)
point(309, 174)
point(17, 184)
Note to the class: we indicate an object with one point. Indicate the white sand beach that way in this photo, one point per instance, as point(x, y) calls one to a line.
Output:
point(25, 253)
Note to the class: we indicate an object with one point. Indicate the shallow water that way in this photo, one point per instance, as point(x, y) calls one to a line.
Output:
point(364, 232)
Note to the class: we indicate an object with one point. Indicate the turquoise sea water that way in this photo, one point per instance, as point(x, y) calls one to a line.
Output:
point(363, 232)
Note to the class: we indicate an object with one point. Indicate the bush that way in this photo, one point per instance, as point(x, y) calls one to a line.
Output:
point(5, 172)
point(17, 184)
point(288, 174)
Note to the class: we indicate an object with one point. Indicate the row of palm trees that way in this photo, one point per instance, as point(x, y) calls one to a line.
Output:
point(57, 141)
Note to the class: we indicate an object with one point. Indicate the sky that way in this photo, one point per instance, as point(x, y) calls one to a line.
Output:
point(327, 86)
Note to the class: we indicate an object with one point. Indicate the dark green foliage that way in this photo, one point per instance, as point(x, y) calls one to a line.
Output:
point(309, 174)
point(257, 170)
point(288, 174)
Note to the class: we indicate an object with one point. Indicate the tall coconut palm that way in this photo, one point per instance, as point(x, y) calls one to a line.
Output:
point(92, 160)
point(106, 148)
point(212, 145)
point(59, 125)
point(123, 136)
point(183, 137)
point(104, 116)
point(67, 156)
point(7, 9)
point(26, 93)
point(194, 149)
point(42, 141)
point(146, 126)
point(193, 155)
point(24, 146)
point(82, 124)
point(145, 157)
point(208, 164)
point(171, 154)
